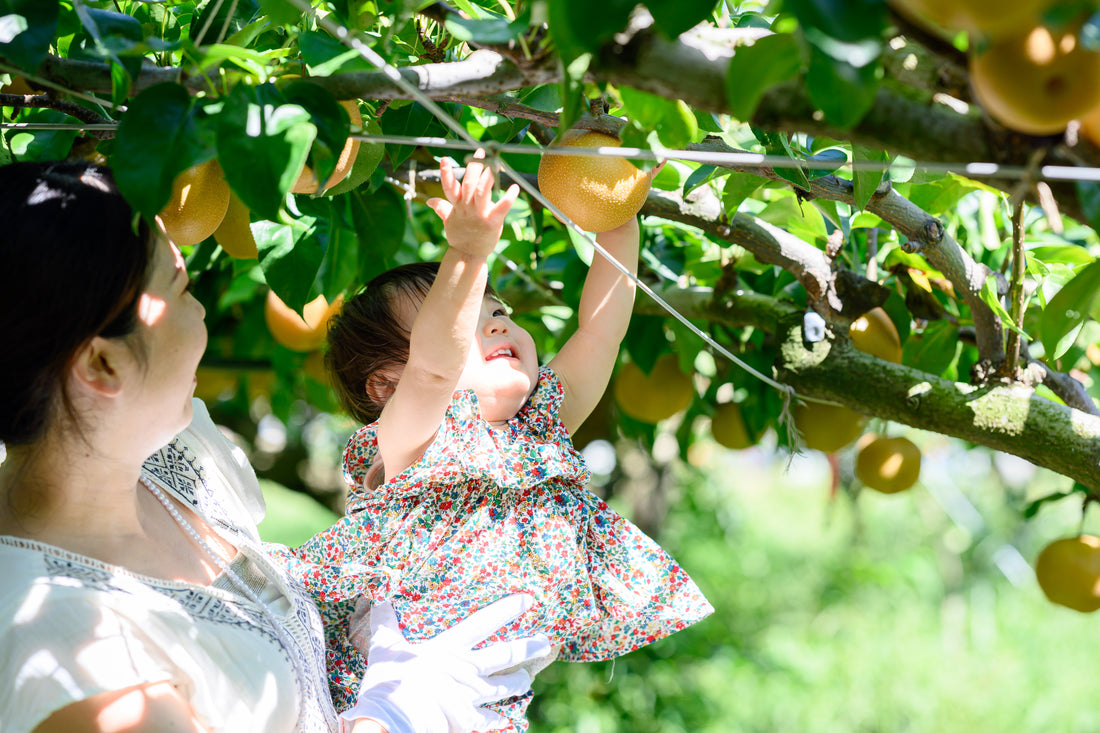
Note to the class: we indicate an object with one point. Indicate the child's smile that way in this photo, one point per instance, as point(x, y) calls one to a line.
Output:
point(502, 368)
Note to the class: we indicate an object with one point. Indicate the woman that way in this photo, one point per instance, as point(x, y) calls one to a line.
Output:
point(136, 595)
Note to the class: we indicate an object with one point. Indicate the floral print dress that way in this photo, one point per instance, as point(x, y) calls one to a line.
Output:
point(485, 512)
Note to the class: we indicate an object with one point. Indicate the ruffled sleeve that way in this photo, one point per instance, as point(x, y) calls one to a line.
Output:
point(540, 413)
point(443, 460)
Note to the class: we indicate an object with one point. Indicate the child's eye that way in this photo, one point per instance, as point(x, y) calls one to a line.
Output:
point(500, 313)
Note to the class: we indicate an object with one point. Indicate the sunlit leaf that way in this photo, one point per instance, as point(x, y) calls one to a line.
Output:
point(671, 119)
point(27, 29)
point(1067, 310)
point(490, 29)
point(865, 181)
point(162, 134)
point(263, 142)
point(739, 186)
point(989, 296)
point(290, 258)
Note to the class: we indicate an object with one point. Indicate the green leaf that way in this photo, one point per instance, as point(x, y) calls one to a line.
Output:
point(800, 218)
point(1067, 254)
point(161, 135)
point(988, 294)
point(936, 348)
point(776, 143)
point(739, 186)
point(1088, 195)
point(107, 27)
point(941, 195)
point(671, 119)
point(843, 91)
point(262, 145)
point(27, 28)
point(865, 181)
point(325, 55)
point(280, 12)
point(833, 157)
point(214, 18)
point(379, 220)
point(340, 269)
point(290, 258)
point(673, 17)
point(42, 144)
point(645, 341)
point(754, 68)
point(370, 155)
point(412, 120)
point(844, 20)
point(492, 29)
point(699, 176)
point(330, 119)
point(580, 26)
point(1033, 507)
point(1067, 310)
point(574, 102)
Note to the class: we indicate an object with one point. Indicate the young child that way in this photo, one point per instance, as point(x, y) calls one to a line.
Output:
point(464, 484)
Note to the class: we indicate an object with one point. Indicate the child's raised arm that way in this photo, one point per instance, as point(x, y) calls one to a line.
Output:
point(443, 329)
point(584, 364)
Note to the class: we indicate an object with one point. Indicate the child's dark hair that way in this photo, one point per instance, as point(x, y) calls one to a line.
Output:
point(72, 266)
point(367, 338)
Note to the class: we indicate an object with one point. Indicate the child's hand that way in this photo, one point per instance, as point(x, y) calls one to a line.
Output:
point(471, 220)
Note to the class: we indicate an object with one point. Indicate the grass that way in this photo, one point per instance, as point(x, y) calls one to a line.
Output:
point(870, 614)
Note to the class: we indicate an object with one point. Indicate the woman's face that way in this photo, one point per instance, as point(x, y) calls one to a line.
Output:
point(172, 339)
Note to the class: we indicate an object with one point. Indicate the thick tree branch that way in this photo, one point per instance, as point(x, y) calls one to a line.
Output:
point(45, 101)
point(1010, 418)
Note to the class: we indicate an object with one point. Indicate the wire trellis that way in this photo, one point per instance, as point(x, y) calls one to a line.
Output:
point(975, 169)
point(464, 141)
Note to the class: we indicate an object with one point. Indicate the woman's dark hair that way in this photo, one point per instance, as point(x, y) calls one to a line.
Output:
point(366, 338)
point(73, 262)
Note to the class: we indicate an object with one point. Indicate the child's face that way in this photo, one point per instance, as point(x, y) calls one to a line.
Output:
point(502, 367)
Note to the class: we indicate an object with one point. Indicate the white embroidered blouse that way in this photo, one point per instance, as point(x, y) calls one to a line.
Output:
point(72, 626)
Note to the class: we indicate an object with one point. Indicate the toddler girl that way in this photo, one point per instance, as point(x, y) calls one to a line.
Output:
point(464, 484)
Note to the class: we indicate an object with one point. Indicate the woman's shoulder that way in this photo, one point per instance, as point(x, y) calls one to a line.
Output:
point(203, 468)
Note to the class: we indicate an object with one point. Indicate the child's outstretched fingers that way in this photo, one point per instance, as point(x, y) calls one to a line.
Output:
point(442, 207)
point(447, 180)
point(501, 207)
point(474, 177)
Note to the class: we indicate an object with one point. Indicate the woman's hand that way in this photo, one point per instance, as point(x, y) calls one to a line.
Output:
point(439, 685)
point(473, 223)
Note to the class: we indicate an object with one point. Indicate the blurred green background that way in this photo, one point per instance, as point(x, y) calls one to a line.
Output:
point(836, 609)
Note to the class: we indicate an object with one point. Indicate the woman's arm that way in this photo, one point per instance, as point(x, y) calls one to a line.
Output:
point(445, 325)
point(584, 364)
point(153, 708)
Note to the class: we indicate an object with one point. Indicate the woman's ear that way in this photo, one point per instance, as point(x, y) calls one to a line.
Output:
point(96, 366)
